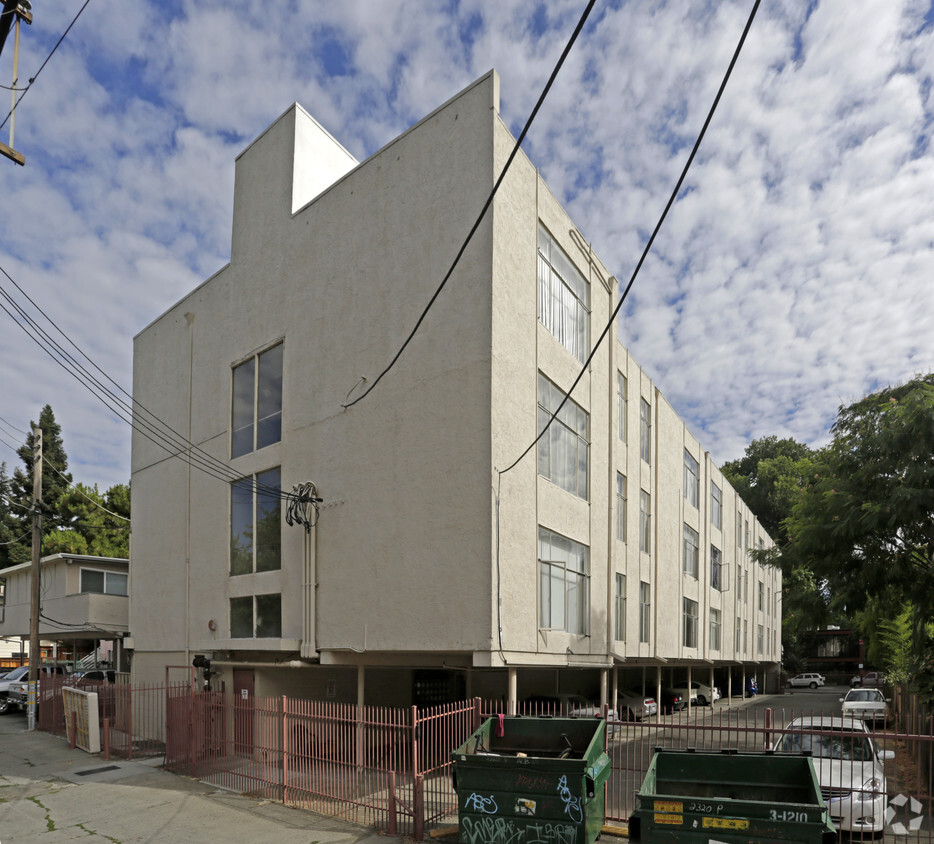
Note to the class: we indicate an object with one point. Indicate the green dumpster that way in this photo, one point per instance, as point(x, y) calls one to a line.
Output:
point(730, 796)
point(521, 780)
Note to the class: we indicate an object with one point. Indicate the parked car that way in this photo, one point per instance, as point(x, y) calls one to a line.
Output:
point(92, 677)
point(634, 706)
point(699, 694)
point(18, 692)
point(869, 705)
point(569, 706)
point(849, 768)
point(672, 701)
point(869, 679)
point(8, 680)
point(811, 681)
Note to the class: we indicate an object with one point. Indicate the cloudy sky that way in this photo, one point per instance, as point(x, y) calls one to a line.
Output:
point(793, 275)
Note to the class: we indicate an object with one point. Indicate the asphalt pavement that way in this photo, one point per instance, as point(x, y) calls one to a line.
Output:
point(50, 793)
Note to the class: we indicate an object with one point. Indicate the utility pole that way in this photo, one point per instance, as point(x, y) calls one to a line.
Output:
point(34, 654)
point(13, 12)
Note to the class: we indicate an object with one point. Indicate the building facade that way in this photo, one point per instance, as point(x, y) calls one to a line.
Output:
point(434, 565)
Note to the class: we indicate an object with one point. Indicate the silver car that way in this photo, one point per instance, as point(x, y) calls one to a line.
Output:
point(869, 705)
point(849, 767)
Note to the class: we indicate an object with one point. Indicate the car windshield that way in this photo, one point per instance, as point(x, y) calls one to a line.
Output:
point(866, 695)
point(832, 744)
point(17, 673)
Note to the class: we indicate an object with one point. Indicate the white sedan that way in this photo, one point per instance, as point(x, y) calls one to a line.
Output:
point(849, 769)
point(868, 705)
point(699, 694)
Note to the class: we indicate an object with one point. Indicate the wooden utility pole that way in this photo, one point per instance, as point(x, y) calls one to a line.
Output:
point(34, 654)
point(13, 12)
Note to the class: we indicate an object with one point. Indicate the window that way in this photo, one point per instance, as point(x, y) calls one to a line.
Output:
point(745, 631)
point(621, 507)
point(746, 535)
point(103, 582)
point(761, 596)
point(739, 581)
point(564, 571)
point(645, 611)
point(718, 579)
point(714, 629)
point(691, 479)
point(716, 506)
point(563, 452)
point(620, 607)
point(738, 638)
point(255, 524)
point(739, 529)
point(645, 522)
point(690, 623)
point(645, 431)
point(256, 617)
point(563, 297)
point(759, 640)
point(690, 551)
point(257, 402)
point(622, 405)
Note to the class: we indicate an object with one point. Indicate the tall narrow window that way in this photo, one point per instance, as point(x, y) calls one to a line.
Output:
point(690, 551)
point(645, 611)
point(255, 523)
point(738, 637)
point(564, 574)
point(716, 506)
point(691, 479)
point(620, 607)
point(563, 297)
point(761, 596)
point(563, 453)
point(714, 629)
point(739, 529)
point(760, 638)
point(257, 402)
point(622, 405)
point(717, 577)
point(645, 522)
point(690, 623)
point(620, 507)
point(645, 430)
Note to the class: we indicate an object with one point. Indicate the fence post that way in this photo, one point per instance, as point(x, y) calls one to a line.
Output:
point(285, 752)
point(768, 728)
point(107, 738)
point(419, 807)
point(391, 809)
point(477, 714)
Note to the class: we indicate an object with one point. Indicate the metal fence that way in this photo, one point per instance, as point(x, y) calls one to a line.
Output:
point(390, 768)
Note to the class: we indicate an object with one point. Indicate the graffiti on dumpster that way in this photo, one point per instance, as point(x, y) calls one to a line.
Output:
point(479, 803)
point(503, 831)
point(526, 782)
point(572, 804)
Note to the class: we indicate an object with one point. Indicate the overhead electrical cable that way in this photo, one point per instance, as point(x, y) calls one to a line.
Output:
point(35, 76)
point(81, 493)
point(157, 431)
point(486, 206)
point(651, 240)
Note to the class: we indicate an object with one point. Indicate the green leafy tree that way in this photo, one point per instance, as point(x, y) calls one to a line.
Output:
point(865, 520)
point(95, 524)
point(14, 545)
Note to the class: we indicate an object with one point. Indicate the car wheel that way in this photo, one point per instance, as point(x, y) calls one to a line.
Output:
point(701, 700)
point(813, 684)
point(4, 706)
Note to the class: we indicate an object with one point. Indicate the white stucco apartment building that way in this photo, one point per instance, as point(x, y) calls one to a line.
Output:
point(614, 554)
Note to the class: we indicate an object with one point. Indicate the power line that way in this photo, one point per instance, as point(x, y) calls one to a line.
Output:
point(76, 489)
point(35, 76)
point(651, 240)
point(486, 205)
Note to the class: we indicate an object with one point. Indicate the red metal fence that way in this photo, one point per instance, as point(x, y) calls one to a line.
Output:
point(391, 769)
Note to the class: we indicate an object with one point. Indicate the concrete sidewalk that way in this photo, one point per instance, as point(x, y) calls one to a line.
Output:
point(51, 793)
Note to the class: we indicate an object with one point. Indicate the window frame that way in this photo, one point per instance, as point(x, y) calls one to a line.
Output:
point(718, 580)
point(645, 430)
point(273, 631)
point(620, 628)
point(691, 552)
point(574, 590)
point(622, 519)
point(569, 432)
point(645, 522)
point(716, 506)
point(691, 479)
point(645, 612)
point(622, 406)
point(253, 377)
point(563, 310)
point(254, 487)
point(716, 628)
point(689, 609)
point(106, 576)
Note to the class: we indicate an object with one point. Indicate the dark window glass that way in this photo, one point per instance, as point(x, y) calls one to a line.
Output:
point(268, 521)
point(241, 527)
point(243, 393)
point(268, 616)
point(241, 618)
point(269, 398)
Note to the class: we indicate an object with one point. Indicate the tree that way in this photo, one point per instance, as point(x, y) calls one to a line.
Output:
point(865, 521)
point(769, 478)
point(94, 524)
point(12, 547)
